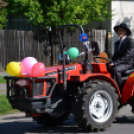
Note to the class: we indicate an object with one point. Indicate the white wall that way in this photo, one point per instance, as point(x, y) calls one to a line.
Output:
point(123, 12)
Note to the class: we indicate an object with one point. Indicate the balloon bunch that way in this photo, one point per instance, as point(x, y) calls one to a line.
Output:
point(84, 39)
point(73, 52)
point(29, 66)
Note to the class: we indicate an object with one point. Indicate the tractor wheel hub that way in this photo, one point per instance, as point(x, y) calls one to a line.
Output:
point(100, 106)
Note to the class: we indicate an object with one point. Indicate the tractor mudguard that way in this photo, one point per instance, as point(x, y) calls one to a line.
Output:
point(128, 89)
point(107, 79)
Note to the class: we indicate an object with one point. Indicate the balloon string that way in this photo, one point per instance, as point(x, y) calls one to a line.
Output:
point(86, 44)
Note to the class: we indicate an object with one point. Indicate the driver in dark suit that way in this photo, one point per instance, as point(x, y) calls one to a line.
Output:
point(122, 59)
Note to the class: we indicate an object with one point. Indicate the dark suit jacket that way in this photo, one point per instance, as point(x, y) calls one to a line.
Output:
point(126, 52)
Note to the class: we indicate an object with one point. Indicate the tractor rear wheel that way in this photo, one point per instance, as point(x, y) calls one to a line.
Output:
point(57, 116)
point(96, 107)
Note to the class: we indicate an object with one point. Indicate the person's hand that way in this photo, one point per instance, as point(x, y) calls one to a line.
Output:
point(111, 65)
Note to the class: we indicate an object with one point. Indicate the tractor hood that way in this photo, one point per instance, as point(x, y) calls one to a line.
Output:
point(55, 69)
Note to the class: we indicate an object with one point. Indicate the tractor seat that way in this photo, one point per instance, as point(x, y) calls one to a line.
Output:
point(126, 74)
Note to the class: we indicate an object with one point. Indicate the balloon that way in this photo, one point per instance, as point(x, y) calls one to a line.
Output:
point(73, 52)
point(13, 68)
point(60, 56)
point(19, 74)
point(38, 70)
point(26, 65)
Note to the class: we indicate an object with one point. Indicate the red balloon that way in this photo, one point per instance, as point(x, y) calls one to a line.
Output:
point(38, 70)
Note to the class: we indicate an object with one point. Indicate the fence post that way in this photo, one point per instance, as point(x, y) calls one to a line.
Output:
point(109, 44)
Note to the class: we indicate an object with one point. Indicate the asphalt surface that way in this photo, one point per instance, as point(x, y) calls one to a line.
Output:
point(4, 73)
point(2, 88)
point(3, 85)
point(19, 124)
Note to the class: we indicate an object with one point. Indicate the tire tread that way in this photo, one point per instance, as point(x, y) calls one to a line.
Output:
point(80, 114)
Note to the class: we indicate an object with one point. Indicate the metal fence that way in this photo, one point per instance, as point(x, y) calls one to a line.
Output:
point(16, 45)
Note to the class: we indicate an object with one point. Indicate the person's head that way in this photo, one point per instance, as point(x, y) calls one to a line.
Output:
point(122, 30)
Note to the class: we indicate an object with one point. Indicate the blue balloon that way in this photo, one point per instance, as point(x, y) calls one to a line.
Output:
point(60, 55)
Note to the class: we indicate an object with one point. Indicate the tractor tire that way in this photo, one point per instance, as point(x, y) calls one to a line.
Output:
point(58, 115)
point(96, 107)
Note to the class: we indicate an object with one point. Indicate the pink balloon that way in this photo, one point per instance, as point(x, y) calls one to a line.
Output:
point(38, 70)
point(26, 65)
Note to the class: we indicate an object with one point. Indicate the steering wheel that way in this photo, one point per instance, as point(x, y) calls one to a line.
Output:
point(101, 59)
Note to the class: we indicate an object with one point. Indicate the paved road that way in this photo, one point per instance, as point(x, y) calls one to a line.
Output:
point(3, 73)
point(19, 124)
point(2, 88)
point(3, 85)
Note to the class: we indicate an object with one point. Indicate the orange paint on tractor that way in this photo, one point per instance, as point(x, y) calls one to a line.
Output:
point(128, 89)
point(74, 72)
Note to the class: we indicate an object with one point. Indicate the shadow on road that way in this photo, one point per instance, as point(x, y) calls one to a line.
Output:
point(28, 126)
point(124, 119)
point(23, 125)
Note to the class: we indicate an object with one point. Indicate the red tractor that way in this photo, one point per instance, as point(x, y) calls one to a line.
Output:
point(86, 89)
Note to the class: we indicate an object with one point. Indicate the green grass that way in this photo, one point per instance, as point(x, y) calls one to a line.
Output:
point(5, 107)
point(2, 80)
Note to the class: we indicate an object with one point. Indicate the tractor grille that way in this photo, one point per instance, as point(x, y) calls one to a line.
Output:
point(38, 89)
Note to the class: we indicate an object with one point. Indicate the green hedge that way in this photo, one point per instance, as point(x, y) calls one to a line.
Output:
point(2, 80)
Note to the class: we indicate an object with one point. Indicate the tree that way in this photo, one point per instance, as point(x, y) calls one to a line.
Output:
point(3, 14)
point(59, 12)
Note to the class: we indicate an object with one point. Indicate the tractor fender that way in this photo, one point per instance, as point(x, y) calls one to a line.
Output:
point(128, 89)
point(109, 80)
